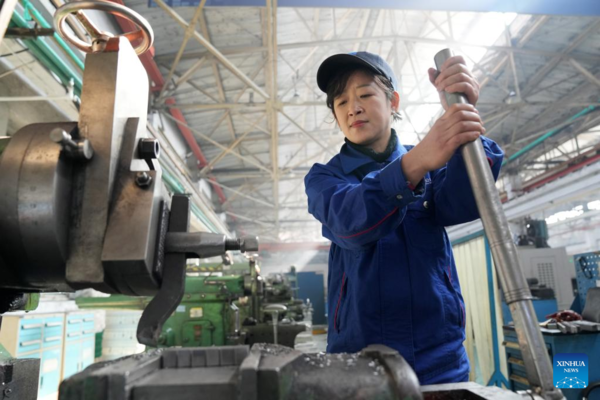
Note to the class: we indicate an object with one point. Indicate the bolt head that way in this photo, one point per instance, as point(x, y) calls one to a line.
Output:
point(248, 243)
point(143, 179)
point(86, 149)
point(58, 135)
point(148, 149)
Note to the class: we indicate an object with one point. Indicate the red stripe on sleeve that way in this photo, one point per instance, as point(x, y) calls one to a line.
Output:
point(371, 228)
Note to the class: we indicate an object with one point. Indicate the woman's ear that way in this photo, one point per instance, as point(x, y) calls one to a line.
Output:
point(395, 101)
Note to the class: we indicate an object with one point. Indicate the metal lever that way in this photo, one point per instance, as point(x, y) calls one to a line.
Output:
point(172, 289)
point(180, 245)
point(274, 310)
point(514, 285)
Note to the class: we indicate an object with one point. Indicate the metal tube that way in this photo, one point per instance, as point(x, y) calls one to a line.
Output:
point(504, 252)
point(254, 289)
point(236, 310)
point(275, 318)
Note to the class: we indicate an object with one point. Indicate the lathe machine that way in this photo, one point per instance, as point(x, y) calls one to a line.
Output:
point(83, 206)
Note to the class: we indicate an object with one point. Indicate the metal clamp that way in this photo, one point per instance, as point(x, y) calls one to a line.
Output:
point(101, 40)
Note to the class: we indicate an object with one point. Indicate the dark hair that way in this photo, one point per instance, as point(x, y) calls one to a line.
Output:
point(337, 84)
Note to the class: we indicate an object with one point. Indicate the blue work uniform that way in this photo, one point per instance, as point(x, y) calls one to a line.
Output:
point(392, 278)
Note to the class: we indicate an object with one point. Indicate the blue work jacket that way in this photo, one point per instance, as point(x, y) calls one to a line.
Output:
point(392, 278)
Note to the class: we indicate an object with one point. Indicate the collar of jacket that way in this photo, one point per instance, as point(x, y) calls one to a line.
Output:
point(352, 159)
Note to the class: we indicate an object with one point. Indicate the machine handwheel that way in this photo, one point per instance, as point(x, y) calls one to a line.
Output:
point(101, 38)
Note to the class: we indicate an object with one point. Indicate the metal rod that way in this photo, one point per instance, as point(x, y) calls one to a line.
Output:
point(25, 33)
point(254, 289)
point(504, 251)
point(275, 317)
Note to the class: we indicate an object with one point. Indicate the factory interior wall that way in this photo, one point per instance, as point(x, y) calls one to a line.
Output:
point(472, 272)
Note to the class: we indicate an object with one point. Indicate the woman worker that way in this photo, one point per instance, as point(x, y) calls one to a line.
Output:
point(384, 206)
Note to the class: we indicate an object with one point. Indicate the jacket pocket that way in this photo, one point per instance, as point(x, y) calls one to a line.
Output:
point(338, 307)
point(460, 315)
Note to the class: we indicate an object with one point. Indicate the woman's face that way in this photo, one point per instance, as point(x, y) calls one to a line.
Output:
point(364, 112)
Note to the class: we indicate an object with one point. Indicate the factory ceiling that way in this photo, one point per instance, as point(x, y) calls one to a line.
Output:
point(244, 80)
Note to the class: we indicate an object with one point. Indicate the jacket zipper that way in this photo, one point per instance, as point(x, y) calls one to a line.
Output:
point(336, 325)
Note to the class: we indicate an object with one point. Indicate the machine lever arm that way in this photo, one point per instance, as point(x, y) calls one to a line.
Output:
point(504, 252)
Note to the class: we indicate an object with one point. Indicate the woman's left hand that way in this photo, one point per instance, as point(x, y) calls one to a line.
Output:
point(454, 77)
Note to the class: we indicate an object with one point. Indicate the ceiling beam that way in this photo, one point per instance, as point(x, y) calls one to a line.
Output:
point(444, 42)
point(213, 50)
point(226, 51)
point(270, 36)
point(539, 76)
point(217, 144)
point(585, 72)
point(186, 37)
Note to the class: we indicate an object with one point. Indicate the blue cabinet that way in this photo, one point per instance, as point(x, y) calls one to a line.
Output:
point(80, 342)
point(72, 353)
point(50, 370)
point(37, 335)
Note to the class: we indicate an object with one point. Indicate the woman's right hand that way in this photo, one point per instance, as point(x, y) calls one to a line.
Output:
point(459, 125)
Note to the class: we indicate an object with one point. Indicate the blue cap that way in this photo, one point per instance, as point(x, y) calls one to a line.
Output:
point(361, 59)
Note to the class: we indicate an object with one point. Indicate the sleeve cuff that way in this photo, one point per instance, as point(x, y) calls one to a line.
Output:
point(396, 187)
point(485, 142)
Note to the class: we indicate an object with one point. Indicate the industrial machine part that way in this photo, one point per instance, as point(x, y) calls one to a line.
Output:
point(264, 333)
point(504, 252)
point(591, 311)
point(552, 268)
point(102, 40)
point(18, 377)
point(210, 313)
point(265, 372)
point(540, 290)
point(205, 316)
point(534, 232)
point(83, 205)
point(256, 289)
point(274, 310)
point(587, 276)
point(587, 326)
point(280, 288)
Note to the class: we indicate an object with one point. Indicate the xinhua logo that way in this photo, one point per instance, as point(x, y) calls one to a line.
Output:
point(570, 370)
